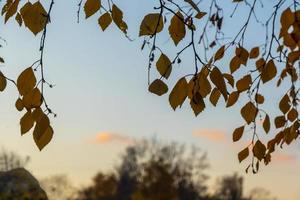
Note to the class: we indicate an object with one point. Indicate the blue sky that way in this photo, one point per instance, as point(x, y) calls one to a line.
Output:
point(100, 83)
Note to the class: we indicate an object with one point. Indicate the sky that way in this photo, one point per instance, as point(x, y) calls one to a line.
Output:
point(103, 105)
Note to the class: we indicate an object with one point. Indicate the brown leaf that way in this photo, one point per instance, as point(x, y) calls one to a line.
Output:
point(158, 87)
point(177, 28)
point(243, 154)
point(218, 80)
point(179, 93)
point(151, 24)
point(249, 112)
point(238, 133)
point(91, 7)
point(164, 66)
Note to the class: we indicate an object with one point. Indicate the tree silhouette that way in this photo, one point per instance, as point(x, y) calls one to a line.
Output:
point(230, 188)
point(152, 170)
point(198, 31)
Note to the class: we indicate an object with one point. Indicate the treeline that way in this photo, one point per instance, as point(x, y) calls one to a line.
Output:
point(152, 170)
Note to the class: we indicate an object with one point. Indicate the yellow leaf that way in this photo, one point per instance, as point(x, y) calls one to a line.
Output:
point(235, 64)
point(244, 83)
point(158, 87)
point(11, 10)
point(104, 21)
point(232, 99)
point(42, 132)
point(218, 80)
point(26, 81)
point(259, 150)
point(254, 53)
point(249, 112)
point(19, 104)
point(43, 139)
point(151, 24)
point(34, 16)
point(214, 96)
point(164, 66)
point(117, 16)
point(284, 104)
point(266, 124)
point(26, 122)
point(3, 82)
point(203, 85)
point(220, 53)
point(32, 99)
point(177, 28)
point(91, 7)
point(37, 114)
point(243, 154)
point(238, 133)
point(179, 93)
point(197, 104)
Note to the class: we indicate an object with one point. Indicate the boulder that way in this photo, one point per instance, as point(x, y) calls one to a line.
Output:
point(19, 184)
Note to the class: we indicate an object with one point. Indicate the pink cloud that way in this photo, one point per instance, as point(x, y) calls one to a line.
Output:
point(285, 158)
point(210, 134)
point(108, 137)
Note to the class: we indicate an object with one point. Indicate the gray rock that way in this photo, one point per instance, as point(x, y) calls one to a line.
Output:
point(19, 184)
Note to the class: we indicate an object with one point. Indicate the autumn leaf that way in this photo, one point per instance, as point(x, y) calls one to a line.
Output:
point(104, 21)
point(34, 16)
point(151, 24)
point(26, 122)
point(164, 66)
point(12, 9)
point(259, 150)
point(242, 155)
point(238, 133)
point(249, 112)
point(266, 124)
point(218, 80)
point(232, 98)
point(268, 72)
point(244, 83)
point(177, 28)
point(179, 93)
point(3, 82)
point(26, 81)
point(91, 7)
point(117, 17)
point(158, 87)
point(220, 53)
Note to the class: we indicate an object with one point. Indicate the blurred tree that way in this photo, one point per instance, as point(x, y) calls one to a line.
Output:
point(58, 187)
point(260, 194)
point(153, 170)
point(11, 160)
point(230, 188)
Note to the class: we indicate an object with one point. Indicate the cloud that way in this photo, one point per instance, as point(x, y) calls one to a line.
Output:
point(108, 137)
point(210, 134)
point(285, 158)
